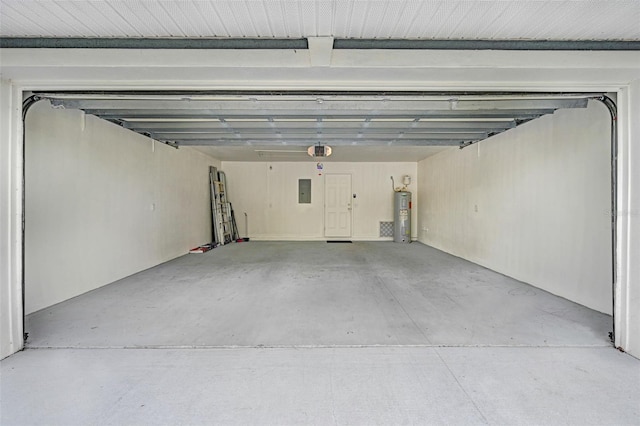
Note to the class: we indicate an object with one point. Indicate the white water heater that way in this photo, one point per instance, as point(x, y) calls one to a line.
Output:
point(402, 217)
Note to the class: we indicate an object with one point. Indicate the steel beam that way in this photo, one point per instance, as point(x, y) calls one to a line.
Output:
point(402, 44)
point(417, 126)
point(270, 43)
point(171, 114)
point(314, 104)
point(313, 135)
point(150, 43)
point(331, 142)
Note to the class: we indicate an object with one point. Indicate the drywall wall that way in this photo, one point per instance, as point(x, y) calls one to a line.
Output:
point(10, 220)
point(627, 309)
point(532, 203)
point(268, 193)
point(103, 203)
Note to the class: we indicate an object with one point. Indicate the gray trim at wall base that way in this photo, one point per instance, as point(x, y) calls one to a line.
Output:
point(301, 43)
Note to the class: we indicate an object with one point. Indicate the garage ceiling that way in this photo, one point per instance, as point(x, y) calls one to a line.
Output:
point(281, 126)
point(379, 19)
point(359, 126)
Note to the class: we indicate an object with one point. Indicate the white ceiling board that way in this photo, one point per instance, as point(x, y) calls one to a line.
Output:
point(381, 19)
point(339, 154)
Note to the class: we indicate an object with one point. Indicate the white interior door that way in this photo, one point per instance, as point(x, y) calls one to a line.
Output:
point(337, 205)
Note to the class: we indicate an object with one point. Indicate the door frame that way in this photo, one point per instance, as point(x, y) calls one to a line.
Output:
point(597, 78)
point(324, 209)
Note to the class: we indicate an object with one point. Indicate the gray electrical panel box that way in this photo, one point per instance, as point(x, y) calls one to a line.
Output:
point(304, 191)
point(402, 217)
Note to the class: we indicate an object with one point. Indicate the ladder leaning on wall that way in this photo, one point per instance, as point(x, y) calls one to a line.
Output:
point(223, 221)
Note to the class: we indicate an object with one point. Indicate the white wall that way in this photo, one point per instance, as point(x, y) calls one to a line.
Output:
point(268, 192)
point(10, 220)
point(628, 245)
point(542, 195)
point(103, 203)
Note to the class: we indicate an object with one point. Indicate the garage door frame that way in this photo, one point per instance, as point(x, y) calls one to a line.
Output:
point(627, 303)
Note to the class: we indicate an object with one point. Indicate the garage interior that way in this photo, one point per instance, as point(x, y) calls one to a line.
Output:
point(366, 293)
point(498, 310)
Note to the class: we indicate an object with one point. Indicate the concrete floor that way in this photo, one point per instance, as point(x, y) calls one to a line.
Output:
point(317, 294)
point(316, 333)
point(321, 386)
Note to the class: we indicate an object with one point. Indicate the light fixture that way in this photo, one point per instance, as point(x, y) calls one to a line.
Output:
point(319, 150)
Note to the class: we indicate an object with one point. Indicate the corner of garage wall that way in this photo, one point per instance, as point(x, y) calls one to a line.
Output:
point(103, 203)
point(532, 203)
